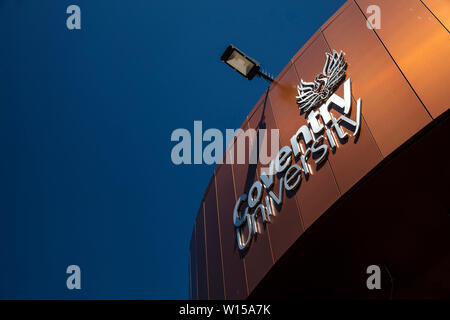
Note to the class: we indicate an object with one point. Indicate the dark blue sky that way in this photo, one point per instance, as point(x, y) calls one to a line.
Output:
point(85, 122)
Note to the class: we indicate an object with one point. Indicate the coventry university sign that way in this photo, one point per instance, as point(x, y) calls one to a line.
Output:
point(315, 99)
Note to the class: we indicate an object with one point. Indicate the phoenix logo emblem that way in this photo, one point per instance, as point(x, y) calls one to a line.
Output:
point(312, 94)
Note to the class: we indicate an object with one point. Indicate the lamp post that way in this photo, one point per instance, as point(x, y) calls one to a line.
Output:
point(243, 64)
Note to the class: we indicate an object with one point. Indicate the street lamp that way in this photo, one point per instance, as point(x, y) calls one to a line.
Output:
point(243, 64)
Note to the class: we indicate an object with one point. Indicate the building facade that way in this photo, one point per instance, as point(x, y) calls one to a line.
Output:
point(379, 195)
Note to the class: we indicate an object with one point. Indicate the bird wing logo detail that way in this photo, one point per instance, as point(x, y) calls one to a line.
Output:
point(312, 94)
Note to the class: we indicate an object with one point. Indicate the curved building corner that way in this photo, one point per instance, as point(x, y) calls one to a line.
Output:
point(379, 197)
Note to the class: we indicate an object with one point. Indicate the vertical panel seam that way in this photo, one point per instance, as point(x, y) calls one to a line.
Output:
point(354, 100)
point(235, 197)
point(434, 15)
point(220, 236)
point(328, 160)
point(302, 224)
point(268, 231)
point(395, 62)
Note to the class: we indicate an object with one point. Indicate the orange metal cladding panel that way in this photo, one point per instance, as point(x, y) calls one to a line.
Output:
point(318, 32)
point(258, 260)
point(213, 248)
point(200, 252)
point(391, 110)
point(320, 191)
point(307, 44)
point(193, 267)
point(441, 9)
point(233, 264)
point(258, 106)
point(420, 46)
point(332, 18)
point(285, 227)
point(352, 158)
